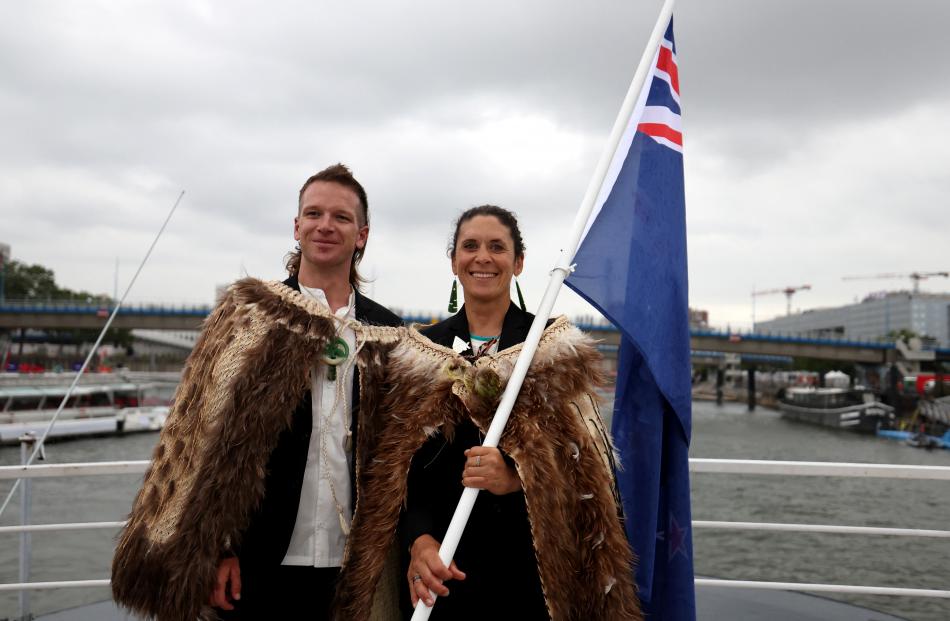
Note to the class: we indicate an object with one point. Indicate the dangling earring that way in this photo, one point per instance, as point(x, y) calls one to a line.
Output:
point(454, 297)
point(520, 297)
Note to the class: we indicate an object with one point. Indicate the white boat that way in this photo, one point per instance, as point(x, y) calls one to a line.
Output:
point(110, 405)
point(838, 408)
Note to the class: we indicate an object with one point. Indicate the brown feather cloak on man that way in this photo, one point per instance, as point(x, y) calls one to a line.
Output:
point(240, 386)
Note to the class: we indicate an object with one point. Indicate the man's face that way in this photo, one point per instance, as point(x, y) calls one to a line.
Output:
point(329, 225)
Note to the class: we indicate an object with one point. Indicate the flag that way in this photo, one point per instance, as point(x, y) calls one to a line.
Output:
point(631, 265)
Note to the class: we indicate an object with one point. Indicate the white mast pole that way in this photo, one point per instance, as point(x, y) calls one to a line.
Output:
point(560, 272)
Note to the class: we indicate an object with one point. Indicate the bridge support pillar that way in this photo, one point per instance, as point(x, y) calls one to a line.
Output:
point(720, 380)
point(751, 384)
point(893, 378)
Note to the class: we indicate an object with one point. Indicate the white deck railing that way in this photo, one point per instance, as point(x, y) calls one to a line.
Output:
point(819, 469)
point(715, 466)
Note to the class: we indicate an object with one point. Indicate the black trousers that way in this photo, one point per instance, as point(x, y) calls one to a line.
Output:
point(287, 592)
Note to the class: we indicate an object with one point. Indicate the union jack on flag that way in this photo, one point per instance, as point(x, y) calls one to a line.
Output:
point(660, 119)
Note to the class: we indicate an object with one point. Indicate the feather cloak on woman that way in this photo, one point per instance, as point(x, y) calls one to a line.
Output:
point(238, 391)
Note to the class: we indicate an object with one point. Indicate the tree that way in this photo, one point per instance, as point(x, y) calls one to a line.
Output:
point(903, 334)
point(28, 282)
point(35, 282)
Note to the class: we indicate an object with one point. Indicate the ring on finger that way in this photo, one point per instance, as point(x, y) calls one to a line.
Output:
point(416, 578)
point(478, 461)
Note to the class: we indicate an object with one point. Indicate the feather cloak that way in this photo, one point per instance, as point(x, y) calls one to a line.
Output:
point(239, 388)
point(584, 561)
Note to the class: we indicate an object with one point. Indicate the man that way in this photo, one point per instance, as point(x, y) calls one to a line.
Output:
point(271, 400)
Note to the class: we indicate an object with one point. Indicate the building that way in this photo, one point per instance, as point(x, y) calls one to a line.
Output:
point(698, 319)
point(880, 314)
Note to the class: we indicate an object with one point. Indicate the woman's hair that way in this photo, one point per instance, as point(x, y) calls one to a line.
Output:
point(504, 216)
point(340, 175)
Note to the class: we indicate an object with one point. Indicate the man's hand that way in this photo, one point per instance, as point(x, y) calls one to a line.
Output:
point(229, 570)
point(428, 572)
point(485, 468)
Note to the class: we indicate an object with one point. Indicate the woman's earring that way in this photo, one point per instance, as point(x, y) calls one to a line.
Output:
point(454, 297)
point(520, 297)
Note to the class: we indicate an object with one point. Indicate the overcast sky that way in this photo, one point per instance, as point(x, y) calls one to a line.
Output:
point(816, 137)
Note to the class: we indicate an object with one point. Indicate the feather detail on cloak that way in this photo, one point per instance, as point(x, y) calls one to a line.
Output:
point(585, 563)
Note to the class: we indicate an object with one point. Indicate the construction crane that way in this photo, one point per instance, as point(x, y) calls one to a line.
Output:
point(916, 277)
point(788, 291)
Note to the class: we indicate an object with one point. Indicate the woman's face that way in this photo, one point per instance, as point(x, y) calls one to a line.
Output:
point(485, 259)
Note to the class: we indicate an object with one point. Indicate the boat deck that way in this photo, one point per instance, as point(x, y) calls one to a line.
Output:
point(712, 604)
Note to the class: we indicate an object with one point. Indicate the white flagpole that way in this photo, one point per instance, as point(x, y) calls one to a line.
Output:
point(560, 272)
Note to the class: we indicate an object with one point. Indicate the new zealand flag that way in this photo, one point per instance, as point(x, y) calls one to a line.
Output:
point(631, 265)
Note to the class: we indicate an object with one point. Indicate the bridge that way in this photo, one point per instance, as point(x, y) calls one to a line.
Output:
point(72, 315)
point(771, 347)
point(56, 315)
point(768, 348)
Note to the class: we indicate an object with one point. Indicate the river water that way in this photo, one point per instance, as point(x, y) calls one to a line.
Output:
point(732, 432)
point(729, 431)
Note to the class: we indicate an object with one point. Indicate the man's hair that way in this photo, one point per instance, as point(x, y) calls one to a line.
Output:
point(340, 175)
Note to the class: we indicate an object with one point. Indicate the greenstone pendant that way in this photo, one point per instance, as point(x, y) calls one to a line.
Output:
point(334, 354)
point(454, 297)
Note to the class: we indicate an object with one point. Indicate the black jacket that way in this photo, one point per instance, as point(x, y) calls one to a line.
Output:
point(496, 550)
point(267, 537)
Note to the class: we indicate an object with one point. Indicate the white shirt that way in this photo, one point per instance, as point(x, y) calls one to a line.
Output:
point(318, 539)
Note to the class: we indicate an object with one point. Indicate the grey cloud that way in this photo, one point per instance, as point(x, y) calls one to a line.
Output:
point(108, 109)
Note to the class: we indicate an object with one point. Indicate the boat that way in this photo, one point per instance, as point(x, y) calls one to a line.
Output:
point(936, 411)
point(922, 440)
point(916, 439)
point(929, 428)
point(107, 405)
point(839, 408)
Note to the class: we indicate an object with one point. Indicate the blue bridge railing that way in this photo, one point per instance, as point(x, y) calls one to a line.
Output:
point(85, 308)
point(200, 311)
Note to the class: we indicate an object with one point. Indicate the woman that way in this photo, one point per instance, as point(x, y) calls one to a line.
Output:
point(544, 539)
point(496, 555)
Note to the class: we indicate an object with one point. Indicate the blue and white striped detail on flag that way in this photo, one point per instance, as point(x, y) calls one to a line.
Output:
point(631, 265)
